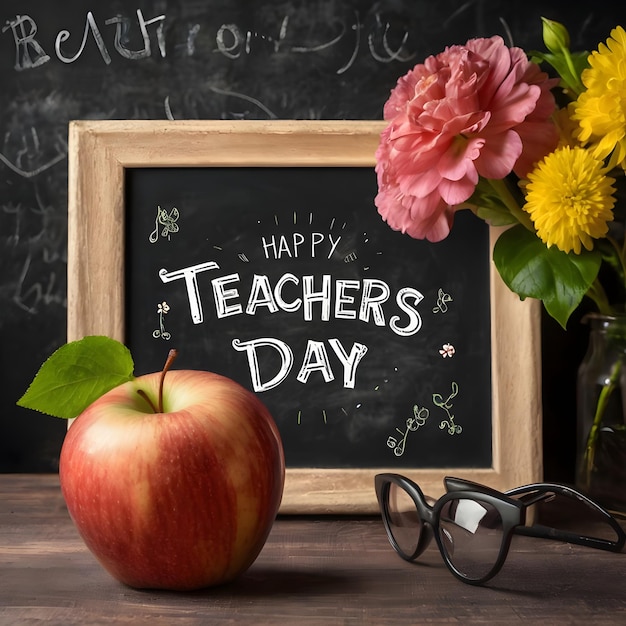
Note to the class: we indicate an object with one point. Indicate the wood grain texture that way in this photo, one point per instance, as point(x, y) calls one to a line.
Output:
point(99, 153)
point(312, 571)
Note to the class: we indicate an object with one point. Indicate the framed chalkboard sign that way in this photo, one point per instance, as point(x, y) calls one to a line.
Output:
point(256, 250)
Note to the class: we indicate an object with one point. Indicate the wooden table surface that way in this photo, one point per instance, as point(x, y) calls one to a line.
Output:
point(311, 571)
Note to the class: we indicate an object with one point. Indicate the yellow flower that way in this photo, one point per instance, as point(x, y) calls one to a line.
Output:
point(566, 126)
point(601, 110)
point(568, 197)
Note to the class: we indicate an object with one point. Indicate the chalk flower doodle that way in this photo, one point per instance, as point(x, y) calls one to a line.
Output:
point(163, 309)
point(164, 224)
point(446, 405)
point(420, 415)
point(447, 350)
point(443, 299)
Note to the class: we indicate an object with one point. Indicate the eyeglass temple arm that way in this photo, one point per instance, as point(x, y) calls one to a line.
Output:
point(548, 532)
point(529, 495)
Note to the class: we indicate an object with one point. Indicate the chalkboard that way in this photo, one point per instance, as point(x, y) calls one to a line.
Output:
point(256, 250)
point(287, 280)
point(204, 59)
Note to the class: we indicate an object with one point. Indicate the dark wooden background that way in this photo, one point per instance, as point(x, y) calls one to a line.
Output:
point(210, 59)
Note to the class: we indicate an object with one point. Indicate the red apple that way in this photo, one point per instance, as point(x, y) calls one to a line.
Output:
point(181, 498)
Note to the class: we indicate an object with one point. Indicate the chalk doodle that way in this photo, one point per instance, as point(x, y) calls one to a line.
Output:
point(447, 350)
point(48, 291)
point(420, 415)
point(35, 238)
point(231, 40)
point(162, 310)
point(27, 159)
point(324, 416)
point(377, 38)
point(443, 299)
point(34, 172)
point(446, 405)
point(242, 96)
point(167, 221)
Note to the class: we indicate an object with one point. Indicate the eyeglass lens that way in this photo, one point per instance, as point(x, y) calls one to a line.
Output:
point(405, 524)
point(471, 533)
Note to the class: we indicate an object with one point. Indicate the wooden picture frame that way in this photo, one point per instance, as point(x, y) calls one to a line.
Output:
point(99, 154)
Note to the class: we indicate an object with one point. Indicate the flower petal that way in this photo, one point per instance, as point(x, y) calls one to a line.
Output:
point(455, 118)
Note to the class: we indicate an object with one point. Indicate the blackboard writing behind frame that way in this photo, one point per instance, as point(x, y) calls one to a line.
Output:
point(101, 155)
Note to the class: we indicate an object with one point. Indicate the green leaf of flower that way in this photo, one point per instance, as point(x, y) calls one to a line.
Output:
point(489, 206)
point(532, 270)
point(569, 67)
point(495, 215)
point(76, 375)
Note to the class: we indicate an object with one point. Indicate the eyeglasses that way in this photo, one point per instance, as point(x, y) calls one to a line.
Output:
point(473, 524)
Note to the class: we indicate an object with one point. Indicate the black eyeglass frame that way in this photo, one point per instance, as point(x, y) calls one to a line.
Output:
point(511, 506)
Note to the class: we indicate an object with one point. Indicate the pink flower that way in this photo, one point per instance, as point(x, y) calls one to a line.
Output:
point(482, 109)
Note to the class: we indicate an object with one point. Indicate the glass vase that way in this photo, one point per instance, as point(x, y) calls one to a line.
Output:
point(601, 406)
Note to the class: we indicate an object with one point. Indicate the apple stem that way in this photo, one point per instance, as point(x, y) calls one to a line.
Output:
point(171, 357)
point(168, 363)
point(145, 396)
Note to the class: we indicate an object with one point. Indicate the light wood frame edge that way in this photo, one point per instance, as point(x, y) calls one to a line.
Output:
point(99, 154)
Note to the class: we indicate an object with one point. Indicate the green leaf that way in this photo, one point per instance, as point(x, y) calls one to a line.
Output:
point(532, 270)
point(76, 375)
point(489, 206)
point(495, 215)
point(569, 69)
